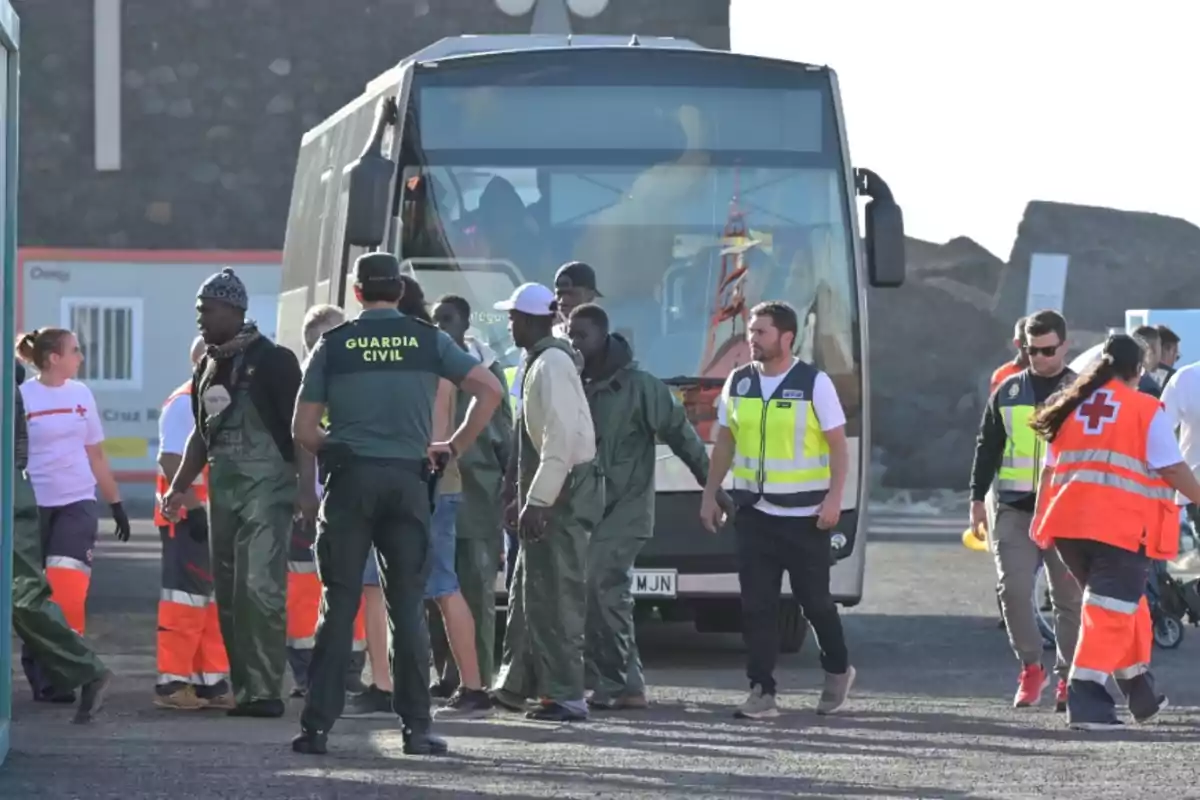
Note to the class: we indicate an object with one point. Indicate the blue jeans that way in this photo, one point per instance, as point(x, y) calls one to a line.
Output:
point(371, 570)
point(443, 578)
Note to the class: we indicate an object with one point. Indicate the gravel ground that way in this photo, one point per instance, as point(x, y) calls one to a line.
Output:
point(930, 718)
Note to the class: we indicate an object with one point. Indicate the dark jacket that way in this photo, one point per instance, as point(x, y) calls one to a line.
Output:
point(633, 411)
point(992, 438)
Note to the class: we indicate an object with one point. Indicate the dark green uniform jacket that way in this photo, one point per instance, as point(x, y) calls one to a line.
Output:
point(631, 409)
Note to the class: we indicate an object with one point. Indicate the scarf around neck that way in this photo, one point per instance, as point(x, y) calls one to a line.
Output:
point(247, 336)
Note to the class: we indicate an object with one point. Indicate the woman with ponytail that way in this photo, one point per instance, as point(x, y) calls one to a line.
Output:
point(66, 464)
point(1105, 504)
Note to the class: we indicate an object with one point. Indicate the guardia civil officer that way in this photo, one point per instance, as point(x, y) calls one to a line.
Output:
point(788, 498)
point(377, 376)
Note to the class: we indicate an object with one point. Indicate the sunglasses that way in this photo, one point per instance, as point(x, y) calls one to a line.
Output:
point(1042, 351)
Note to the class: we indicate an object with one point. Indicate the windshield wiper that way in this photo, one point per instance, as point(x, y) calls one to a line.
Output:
point(688, 380)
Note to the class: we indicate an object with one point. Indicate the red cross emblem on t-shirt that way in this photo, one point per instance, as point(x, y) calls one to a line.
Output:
point(81, 411)
point(1099, 410)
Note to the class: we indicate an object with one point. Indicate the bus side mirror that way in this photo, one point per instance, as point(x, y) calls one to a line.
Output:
point(368, 180)
point(884, 240)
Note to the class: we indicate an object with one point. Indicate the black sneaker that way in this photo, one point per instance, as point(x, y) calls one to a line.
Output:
point(310, 743)
point(465, 704)
point(374, 703)
point(441, 690)
point(424, 743)
point(555, 712)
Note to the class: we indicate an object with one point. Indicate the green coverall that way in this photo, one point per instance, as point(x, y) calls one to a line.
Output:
point(544, 640)
point(480, 539)
point(252, 500)
point(64, 656)
point(631, 409)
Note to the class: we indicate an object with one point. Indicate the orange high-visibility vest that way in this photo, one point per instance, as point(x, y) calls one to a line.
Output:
point(1101, 487)
point(162, 484)
point(1003, 372)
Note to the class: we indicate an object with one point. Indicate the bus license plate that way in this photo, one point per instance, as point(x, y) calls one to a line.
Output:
point(654, 582)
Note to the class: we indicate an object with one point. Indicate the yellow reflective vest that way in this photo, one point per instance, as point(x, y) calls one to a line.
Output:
point(781, 454)
point(514, 391)
point(1024, 451)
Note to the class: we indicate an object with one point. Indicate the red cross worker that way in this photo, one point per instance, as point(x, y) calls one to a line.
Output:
point(1106, 505)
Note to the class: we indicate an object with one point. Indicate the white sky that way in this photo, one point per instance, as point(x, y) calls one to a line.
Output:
point(971, 109)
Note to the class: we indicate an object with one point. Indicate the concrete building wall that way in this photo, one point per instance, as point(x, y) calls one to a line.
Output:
point(213, 98)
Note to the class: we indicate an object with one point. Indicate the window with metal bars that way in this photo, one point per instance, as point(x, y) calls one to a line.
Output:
point(108, 333)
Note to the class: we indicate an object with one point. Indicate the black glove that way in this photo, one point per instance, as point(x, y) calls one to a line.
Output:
point(122, 519)
point(197, 524)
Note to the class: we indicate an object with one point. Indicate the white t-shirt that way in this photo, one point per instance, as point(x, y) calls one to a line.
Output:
point(829, 413)
point(175, 425)
point(62, 421)
point(1181, 397)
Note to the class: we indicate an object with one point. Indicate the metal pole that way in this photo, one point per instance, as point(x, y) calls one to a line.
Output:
point(9, 86)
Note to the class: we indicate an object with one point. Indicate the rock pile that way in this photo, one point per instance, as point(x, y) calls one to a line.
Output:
point(935, 340)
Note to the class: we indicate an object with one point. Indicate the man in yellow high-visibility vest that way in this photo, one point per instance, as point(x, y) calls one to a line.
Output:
point(1008, 461)
point(782, 430)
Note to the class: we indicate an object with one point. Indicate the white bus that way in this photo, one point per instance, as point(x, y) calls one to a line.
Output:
point(696, 182)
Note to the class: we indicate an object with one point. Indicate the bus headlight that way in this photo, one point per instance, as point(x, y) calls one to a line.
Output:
point(587, 8)
point(839, 542)
point(515, 8)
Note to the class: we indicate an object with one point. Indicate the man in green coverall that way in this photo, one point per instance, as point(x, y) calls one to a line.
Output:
point(62, 655)
point(243, 395)
point(480, 539)
point(556, 502)
point(632, 411)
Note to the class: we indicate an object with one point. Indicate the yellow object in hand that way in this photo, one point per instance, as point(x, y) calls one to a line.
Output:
point(975, 540)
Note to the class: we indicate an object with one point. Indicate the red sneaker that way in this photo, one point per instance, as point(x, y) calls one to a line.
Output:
point(1032, 683)
point(1060, 697)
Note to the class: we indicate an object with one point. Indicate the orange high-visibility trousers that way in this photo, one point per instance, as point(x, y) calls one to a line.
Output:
point(304, 604)
point(1115, 634)
point(304, 609)
point(1115, 638)
point(68, 539)
point(190, 646)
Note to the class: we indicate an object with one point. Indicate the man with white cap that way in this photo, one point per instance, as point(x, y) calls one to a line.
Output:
point(554, 501)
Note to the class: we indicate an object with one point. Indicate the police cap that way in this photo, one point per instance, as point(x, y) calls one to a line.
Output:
point(376, 268)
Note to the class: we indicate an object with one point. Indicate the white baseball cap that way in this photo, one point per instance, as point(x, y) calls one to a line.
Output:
point(529, 298)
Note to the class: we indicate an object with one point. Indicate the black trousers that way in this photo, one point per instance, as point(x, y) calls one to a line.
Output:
point(767, 546)
point(385, 503)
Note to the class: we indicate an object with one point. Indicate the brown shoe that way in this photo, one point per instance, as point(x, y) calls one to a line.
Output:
point(222, 702)
point(182, 699)
point(631, 702)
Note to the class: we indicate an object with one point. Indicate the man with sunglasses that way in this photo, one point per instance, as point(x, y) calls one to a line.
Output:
point(1010, 454)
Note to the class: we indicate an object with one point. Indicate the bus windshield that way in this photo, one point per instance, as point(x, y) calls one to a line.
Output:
point(692, 206)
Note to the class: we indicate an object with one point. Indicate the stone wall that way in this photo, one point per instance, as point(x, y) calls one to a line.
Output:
point(216, 94)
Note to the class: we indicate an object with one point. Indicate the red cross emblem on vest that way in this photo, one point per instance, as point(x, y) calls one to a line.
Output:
point(1099, 410)
point(81, 411)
